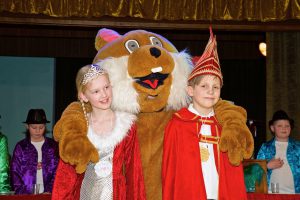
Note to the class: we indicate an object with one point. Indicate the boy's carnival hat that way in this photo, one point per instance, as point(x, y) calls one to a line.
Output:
point(281, 115)
point(208, 63)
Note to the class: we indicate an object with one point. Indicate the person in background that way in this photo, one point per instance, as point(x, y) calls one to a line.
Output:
point(4, 165)
point(35, 158)
point(282, 154)
point(115, 171)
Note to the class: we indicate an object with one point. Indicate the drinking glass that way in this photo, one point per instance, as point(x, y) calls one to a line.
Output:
point(35, 188)
point(275, 187)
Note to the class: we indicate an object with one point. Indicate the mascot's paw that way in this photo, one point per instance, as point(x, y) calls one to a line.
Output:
point(77, 150)
point(81, 166)
point(74, 145)
point(236, 138)
point(233, 146)
point(238, 142)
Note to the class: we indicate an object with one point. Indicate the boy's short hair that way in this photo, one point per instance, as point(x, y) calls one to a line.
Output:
point(196, 80)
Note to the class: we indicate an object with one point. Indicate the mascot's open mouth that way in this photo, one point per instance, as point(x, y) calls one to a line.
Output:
point(151, 81)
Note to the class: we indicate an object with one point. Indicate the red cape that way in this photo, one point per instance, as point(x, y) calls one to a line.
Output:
point(128, 182)
point(181, 166)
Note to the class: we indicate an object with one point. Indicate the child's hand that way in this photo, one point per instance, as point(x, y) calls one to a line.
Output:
point(275, 163)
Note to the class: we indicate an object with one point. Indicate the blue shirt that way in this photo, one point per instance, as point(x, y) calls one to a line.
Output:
point(268, 152)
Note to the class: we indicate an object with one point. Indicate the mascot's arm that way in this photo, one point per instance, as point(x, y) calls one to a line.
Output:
point(71, 133)
point(236, 138)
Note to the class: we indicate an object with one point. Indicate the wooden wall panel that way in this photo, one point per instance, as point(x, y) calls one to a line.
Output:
point(78, 42)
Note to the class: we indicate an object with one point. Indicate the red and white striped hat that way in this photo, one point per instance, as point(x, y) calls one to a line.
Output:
point(208, 63)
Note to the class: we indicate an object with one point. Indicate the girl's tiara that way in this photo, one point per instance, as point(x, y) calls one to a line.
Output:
point(94, 71)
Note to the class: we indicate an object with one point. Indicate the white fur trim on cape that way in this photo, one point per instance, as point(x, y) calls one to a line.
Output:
point(123, 123)
point(178, 96)
point(125, 97)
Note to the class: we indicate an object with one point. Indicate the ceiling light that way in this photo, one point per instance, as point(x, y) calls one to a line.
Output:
point(263, 48)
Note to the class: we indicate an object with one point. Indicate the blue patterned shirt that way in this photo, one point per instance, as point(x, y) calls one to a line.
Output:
point(268, 152)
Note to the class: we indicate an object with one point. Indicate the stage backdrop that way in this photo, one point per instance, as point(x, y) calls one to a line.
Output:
point(25, 82)
point(283, 72)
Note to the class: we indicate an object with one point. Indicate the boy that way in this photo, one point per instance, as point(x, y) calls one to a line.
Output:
point(193, 167)
point(282, 154)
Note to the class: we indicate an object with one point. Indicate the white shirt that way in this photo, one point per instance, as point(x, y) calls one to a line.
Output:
point(210, 174)
point(39, 172)
point(283, 175)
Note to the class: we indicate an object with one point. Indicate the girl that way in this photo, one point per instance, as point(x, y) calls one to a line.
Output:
point(115, 173)
point(35, 158)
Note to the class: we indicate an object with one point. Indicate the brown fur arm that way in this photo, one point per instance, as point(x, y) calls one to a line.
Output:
point(71, 133)
point(236, 138)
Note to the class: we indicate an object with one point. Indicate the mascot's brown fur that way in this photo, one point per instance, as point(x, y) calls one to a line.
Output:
point(149, 77)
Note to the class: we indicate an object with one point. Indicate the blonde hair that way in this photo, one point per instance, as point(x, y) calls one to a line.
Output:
point(81, 86)
point(79, 78)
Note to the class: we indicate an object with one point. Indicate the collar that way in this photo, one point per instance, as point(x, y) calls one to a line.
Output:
point(186, 115)
point(193, 110)
point(123, 124)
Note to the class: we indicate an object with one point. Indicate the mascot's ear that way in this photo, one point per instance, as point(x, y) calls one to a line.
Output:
point(104, 36)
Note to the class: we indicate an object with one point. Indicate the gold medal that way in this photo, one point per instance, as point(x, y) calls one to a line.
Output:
point(204, 154)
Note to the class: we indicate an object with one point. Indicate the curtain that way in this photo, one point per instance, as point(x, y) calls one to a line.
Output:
point(283, 76)
point(237, 10)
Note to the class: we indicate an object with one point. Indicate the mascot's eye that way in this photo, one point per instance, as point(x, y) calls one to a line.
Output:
point(155, 41)
point(131, 45)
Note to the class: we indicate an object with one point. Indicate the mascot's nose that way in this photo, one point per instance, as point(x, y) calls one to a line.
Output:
point(155, 52)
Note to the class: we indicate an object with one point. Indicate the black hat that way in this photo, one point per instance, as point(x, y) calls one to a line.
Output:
point(280, 114)
point(36, 116)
